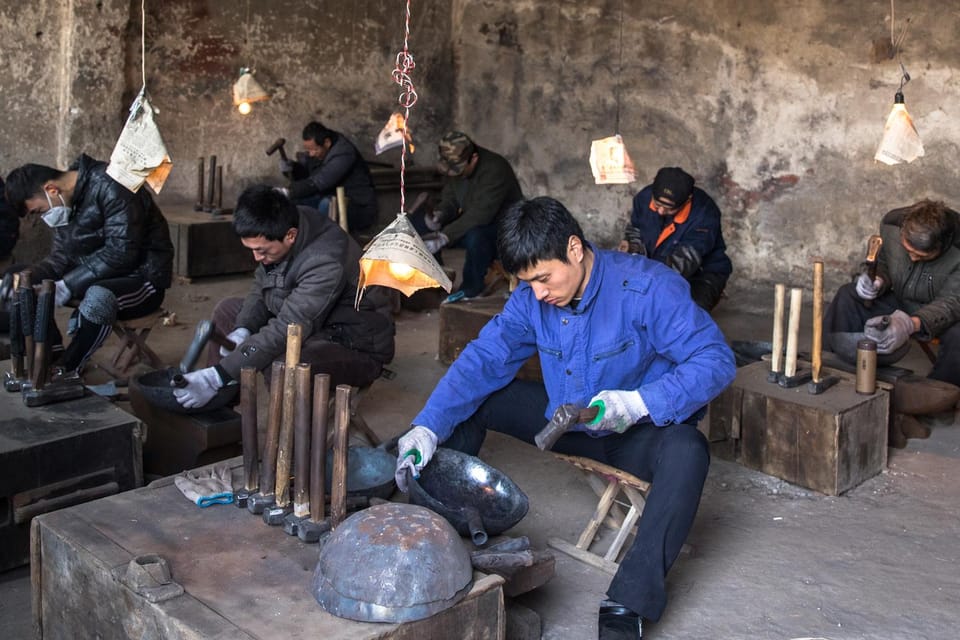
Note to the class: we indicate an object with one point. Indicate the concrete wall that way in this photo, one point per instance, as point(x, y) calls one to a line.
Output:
point(777, 108)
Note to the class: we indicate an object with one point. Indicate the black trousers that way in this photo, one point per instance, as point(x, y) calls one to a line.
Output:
point(847, 314)
point(674, 459)
point(345, 366)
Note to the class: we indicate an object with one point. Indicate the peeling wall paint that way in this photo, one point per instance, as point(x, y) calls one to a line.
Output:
point(775, 107)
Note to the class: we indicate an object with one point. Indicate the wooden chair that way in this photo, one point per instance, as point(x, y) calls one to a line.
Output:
point(617, 490)
point(133, 347)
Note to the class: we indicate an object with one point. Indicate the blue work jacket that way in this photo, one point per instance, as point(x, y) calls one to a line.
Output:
point(636, 328)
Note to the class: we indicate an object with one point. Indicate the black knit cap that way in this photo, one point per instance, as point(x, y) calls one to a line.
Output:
point(674, 184)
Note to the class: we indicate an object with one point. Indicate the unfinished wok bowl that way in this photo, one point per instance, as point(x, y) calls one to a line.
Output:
point(370, 472)
point(392, 563)
point(477, 499)
point(155, 388)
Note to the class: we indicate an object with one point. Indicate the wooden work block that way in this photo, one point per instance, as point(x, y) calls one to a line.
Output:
point(205, 244)
point(461, 322)
point(230, 577)
point(829, 442)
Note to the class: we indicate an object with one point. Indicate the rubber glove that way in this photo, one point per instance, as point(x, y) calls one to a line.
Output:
point(201, 386)
point(207, 487)
point(237, 337)
point(868, 289)
point(896, 333)
point(415, 448)
point(619, 410)
point(62, 295)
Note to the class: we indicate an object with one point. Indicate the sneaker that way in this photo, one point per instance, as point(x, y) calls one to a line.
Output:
point(616, 622)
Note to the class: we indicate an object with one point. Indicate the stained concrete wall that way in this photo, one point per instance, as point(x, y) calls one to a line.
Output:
point(777, 108)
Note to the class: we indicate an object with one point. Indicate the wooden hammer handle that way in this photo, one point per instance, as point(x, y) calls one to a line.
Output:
point(285, 449)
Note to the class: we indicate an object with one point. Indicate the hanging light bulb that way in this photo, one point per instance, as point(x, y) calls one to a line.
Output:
point(901, 141)
point(397, 257)
point(246, 91)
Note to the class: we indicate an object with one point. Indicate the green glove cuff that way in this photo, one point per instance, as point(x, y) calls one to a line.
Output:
point(601, 409)
point(416, 455)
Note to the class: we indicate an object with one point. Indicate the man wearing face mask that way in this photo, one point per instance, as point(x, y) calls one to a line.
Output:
point(111, 252)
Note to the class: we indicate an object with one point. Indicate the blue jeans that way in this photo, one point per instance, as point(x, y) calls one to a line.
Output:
point(674, 459)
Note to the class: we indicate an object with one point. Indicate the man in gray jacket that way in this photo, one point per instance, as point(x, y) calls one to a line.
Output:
point(308, 274)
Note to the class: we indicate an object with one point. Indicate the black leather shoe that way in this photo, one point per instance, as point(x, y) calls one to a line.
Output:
point(616, 622)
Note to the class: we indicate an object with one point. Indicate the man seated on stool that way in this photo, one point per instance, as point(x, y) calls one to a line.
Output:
point(482, 185)
point(307, 274)
point(329, 160)
point(916, 292)
point(613, 330)
point(678, 224)
point(111, 249)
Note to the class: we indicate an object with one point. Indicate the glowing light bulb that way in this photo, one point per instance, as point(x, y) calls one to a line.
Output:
point(402, 272)
point(244, 108)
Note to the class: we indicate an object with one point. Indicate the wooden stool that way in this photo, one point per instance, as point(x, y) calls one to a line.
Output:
point(612, 485)
point(133, 347)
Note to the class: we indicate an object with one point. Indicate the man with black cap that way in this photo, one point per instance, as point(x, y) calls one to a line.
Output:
point(482, 184)
point(678, 224)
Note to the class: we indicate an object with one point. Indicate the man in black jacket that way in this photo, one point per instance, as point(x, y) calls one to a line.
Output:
point(307, 275)
point(111, 248)
point(329, 161)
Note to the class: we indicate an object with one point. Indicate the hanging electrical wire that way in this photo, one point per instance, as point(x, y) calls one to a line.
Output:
point(408, 97)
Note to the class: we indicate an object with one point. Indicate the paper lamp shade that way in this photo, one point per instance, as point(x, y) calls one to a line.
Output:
point(397, 258)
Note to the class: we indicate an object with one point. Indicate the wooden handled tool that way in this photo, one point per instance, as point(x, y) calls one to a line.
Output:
point(342, 209)
point(211, 184)
point(564, 418)
point(41, 355)
point(874, 244)
point(285, 448)
point(248, 427)
point(318, 450)
point(301, 442)
point(793, 333)
point(268, 466)
point(28, 304)
point(341, 425)
point(817, 340)
point(776, 358)
point(200, 202)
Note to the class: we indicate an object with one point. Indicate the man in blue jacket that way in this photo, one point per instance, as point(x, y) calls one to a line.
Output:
point(678, 224)
point(612, 330)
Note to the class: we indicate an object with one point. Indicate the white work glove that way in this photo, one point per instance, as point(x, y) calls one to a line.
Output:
point(237, 337)
point(201, 386)
point(432, 221)
point(435, 241)
point(286, 166)
point(283, 191)
point(619, 410)
point(415, 449)
point(205, 488)
point(894, 335)
point(62, 295)
point(868, 289)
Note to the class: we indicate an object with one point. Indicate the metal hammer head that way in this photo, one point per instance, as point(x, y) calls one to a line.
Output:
point(200, 338)
point(276, 146)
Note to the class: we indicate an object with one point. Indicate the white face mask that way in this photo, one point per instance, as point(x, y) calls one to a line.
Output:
point(56, 216)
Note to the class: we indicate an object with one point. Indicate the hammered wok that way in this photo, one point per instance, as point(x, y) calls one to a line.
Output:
point(478, 500)
point(156, 388)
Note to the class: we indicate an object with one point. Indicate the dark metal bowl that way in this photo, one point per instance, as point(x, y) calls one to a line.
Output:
point(370, 472)
point(156, 388)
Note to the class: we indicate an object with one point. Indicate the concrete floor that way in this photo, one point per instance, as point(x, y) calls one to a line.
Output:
point(768, 560)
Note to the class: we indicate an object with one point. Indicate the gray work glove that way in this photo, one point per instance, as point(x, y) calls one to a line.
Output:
point(685, 260)
point(62, 295)
point(619, 410)
point(432, 221)
point(868, 289)
point(207, 487)
point(435, 241)
point(889, 332)
point(416, 448)
point(634, 241)
point(201, 386)
point(286, 166)
point(237, 337)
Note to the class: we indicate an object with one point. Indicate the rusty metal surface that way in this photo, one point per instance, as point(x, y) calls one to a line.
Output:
point(392, 563)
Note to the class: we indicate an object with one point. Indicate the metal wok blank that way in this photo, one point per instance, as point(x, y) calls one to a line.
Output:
point(156, 389)
point(475, 498)
point(370, 472)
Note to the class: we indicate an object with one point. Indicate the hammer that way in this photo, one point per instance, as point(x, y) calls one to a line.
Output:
point(818, 384)
point(874, 243)
point(205, 332)
point(563, 419)
point(278, 146)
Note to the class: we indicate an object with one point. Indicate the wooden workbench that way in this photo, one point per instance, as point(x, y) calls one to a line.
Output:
point(241, 579)
point(205, 244)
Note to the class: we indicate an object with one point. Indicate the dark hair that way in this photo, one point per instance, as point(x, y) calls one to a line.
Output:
point(927, 226)
point(318, 133)
point(534, 230)
point(263, 211)
point(26, 182)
